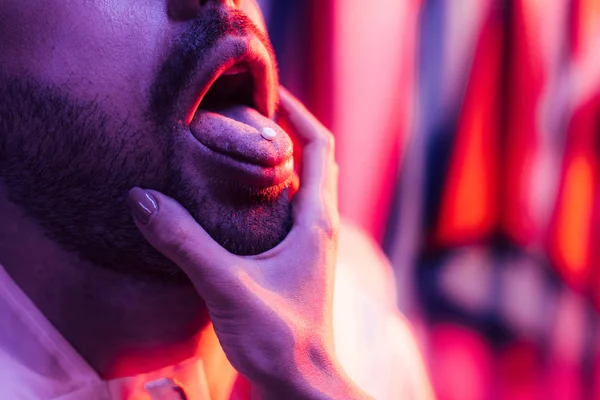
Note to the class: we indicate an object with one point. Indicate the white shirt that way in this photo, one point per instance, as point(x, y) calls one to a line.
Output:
point(374, 345)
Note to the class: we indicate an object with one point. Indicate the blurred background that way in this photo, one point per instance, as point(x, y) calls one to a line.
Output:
point(467, 137)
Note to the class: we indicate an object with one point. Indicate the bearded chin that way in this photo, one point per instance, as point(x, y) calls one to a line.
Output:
point(69, 165)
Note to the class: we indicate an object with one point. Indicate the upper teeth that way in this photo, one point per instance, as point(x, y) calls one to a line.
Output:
point(235, 69)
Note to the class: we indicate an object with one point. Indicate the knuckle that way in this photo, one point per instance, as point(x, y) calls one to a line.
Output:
point(330, 142)
point(327, 142)
point(327, 225)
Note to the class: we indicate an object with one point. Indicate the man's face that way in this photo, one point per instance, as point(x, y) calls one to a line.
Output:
point(98, 96)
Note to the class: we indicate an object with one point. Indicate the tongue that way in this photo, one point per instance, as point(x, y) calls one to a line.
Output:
point(235, 132)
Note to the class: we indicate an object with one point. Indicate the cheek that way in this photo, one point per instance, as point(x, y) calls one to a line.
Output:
point(106, 49)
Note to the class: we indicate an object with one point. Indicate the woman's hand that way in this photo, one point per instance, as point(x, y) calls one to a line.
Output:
point(271, 312)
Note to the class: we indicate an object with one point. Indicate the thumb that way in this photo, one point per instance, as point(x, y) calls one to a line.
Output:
point(171, 230)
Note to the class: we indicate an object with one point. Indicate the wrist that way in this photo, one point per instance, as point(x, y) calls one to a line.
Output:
point(316, 376)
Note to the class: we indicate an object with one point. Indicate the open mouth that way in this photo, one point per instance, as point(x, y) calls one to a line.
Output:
point(234, 87)
point(246, 80)
point(229, 104)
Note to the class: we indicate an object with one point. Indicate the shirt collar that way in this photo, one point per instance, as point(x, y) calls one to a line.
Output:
point(36, 361)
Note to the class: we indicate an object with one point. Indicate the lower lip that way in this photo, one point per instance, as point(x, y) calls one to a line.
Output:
point(226, 167)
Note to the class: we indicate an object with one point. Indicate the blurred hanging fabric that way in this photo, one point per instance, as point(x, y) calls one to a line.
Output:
point(502, 169)
point(467, 137)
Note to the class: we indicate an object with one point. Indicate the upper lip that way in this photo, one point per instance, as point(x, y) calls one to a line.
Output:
point(231, 51)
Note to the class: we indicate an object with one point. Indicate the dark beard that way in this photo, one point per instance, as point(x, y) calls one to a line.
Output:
point(69, 164)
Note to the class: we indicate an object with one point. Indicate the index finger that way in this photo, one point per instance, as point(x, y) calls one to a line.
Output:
point(305, 125)
point(317, 145)
point(316, 200)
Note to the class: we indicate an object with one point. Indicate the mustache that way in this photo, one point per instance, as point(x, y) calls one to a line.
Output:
point(189, 52)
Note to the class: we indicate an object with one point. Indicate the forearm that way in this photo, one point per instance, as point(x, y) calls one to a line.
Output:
point(313, 383)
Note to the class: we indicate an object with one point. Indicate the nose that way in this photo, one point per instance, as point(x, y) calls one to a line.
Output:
point(186, 9)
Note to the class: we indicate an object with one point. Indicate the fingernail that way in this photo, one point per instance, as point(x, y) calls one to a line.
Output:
point(142, 204)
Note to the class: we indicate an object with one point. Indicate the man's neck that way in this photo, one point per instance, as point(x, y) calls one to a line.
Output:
point(120, 325)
